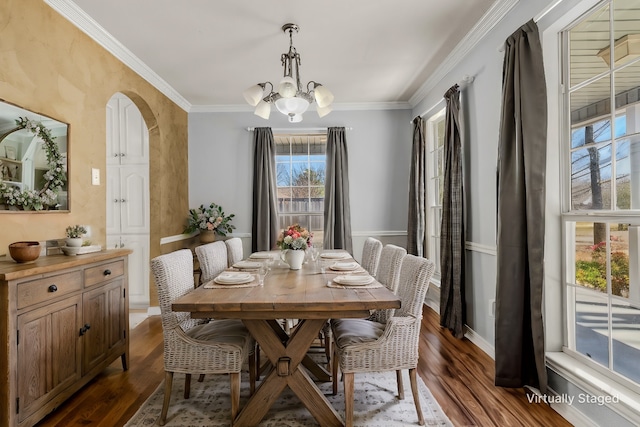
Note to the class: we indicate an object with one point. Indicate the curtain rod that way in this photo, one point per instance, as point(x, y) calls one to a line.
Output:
point(466, 81)
point(538, 17)
point(296, 130)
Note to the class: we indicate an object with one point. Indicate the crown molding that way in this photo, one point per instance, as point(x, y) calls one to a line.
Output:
point(489, 20)
point(366, 106)
point(69, 10)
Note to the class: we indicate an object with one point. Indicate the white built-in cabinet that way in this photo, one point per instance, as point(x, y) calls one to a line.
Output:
point(127, 186)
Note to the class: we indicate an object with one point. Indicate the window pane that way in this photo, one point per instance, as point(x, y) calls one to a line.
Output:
point(301, 164)
point(591, 256)
point(592, 133)
point(619, 259)
point(591, 103)
point(592, 325)
point(591, 178)
point(625, 30)
point(626, 340)
point(586, 42)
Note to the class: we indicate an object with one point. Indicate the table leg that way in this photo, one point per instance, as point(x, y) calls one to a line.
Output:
point(286, 357)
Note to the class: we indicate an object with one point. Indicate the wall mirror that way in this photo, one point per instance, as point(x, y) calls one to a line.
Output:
point(33, 161)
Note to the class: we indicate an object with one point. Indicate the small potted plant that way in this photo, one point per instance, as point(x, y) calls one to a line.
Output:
point(74, 235)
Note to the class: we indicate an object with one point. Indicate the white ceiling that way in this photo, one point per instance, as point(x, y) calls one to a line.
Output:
point(209, 51)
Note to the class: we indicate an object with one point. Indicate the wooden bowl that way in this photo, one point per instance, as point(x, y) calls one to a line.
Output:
point(24, 251)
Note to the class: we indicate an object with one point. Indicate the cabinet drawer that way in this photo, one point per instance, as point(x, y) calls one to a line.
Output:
point(44, 289)
point(103, 272)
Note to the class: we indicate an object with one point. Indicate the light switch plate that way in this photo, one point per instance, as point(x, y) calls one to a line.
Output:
point(95, 176)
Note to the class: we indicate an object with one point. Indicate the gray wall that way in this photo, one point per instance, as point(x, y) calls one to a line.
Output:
point(221, 161)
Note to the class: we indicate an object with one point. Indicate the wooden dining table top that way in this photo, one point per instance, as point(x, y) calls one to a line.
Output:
point(299, 294)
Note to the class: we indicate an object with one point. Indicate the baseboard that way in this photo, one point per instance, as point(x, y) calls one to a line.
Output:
point(570, 413)
point(480, 342)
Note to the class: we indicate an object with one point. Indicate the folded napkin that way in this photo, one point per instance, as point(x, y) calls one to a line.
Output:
point(334, 255)
point(233, 278)
point(344, 266)
point(247, 265)
point(354, 280)
point(261, 255)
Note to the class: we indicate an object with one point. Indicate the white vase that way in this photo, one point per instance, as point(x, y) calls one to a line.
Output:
point(293, 257)
point(74, 242)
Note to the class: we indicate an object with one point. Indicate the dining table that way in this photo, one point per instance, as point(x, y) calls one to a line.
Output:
point(312, 296)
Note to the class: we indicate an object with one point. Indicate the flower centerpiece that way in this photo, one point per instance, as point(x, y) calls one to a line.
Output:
point(294, 241)
point(209, 221)
point(74, 235)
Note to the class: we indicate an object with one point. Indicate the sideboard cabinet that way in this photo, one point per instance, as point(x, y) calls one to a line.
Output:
point(63, 319)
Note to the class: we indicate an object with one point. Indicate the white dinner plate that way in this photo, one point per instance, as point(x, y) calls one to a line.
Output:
point(353, 280)
point(232, 278)
point(261, 255)
point(335, 255)
point(247, 265)
point(344, 266)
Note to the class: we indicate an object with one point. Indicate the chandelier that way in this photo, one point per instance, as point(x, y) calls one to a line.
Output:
point(290, 99)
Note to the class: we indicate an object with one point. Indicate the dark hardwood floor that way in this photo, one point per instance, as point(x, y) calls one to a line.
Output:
point(458, 373)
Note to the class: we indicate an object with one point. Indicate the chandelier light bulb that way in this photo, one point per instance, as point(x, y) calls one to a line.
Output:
point(263, 110)
point(323, 96)
point(323, 111)
point(287, 87)
point(295, 118)
point(253, 95)
point(290, 106)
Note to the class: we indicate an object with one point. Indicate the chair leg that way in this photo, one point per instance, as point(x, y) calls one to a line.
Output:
point(252, 371)
point(200, 378)
point(327, 348)
point(258, 362)
point(334, 372)
point(416, 395)
point(348, 398)
point(400, 384)
point(168, 382)
point(187, 385)
point(234, 378)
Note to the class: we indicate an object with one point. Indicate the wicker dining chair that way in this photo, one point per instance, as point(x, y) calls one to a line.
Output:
point(213, 260)
point(362, 345)
point(371, 255)
point(388, 273)
point(235, 252)
point(194, 346)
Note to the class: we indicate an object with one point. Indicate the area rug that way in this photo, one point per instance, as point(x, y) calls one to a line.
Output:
point(376, 404)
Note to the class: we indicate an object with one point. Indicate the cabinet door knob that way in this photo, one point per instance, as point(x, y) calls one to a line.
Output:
point(121, 154)
point(115, 200)
point(53, 288)
point(87, 326)
point(122, 200)
point(107, 272)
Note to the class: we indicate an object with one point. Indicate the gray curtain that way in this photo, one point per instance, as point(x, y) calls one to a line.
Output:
point(522, 151)
point(417, 193)
point(264, 226)
point(452, 239)
point(337, 213)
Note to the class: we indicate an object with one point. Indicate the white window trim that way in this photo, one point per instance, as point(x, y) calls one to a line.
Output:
point(431, 190)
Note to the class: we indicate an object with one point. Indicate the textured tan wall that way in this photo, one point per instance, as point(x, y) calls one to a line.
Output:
point(49, 66)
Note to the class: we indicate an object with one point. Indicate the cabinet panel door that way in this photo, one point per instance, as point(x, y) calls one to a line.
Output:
point(113, 200)
point(113, 132)
point(104, 313)
point(48, 353)
point(134, 136)
point(138, 269)
point(134, 189)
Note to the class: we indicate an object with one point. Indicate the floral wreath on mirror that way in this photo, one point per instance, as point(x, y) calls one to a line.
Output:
point(55, 177)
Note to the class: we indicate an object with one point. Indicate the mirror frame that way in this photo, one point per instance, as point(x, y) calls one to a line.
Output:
point(19, 198)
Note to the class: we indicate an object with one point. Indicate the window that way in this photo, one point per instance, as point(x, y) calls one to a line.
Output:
point(300, 168)
point(435, 175)
point(601, 216)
